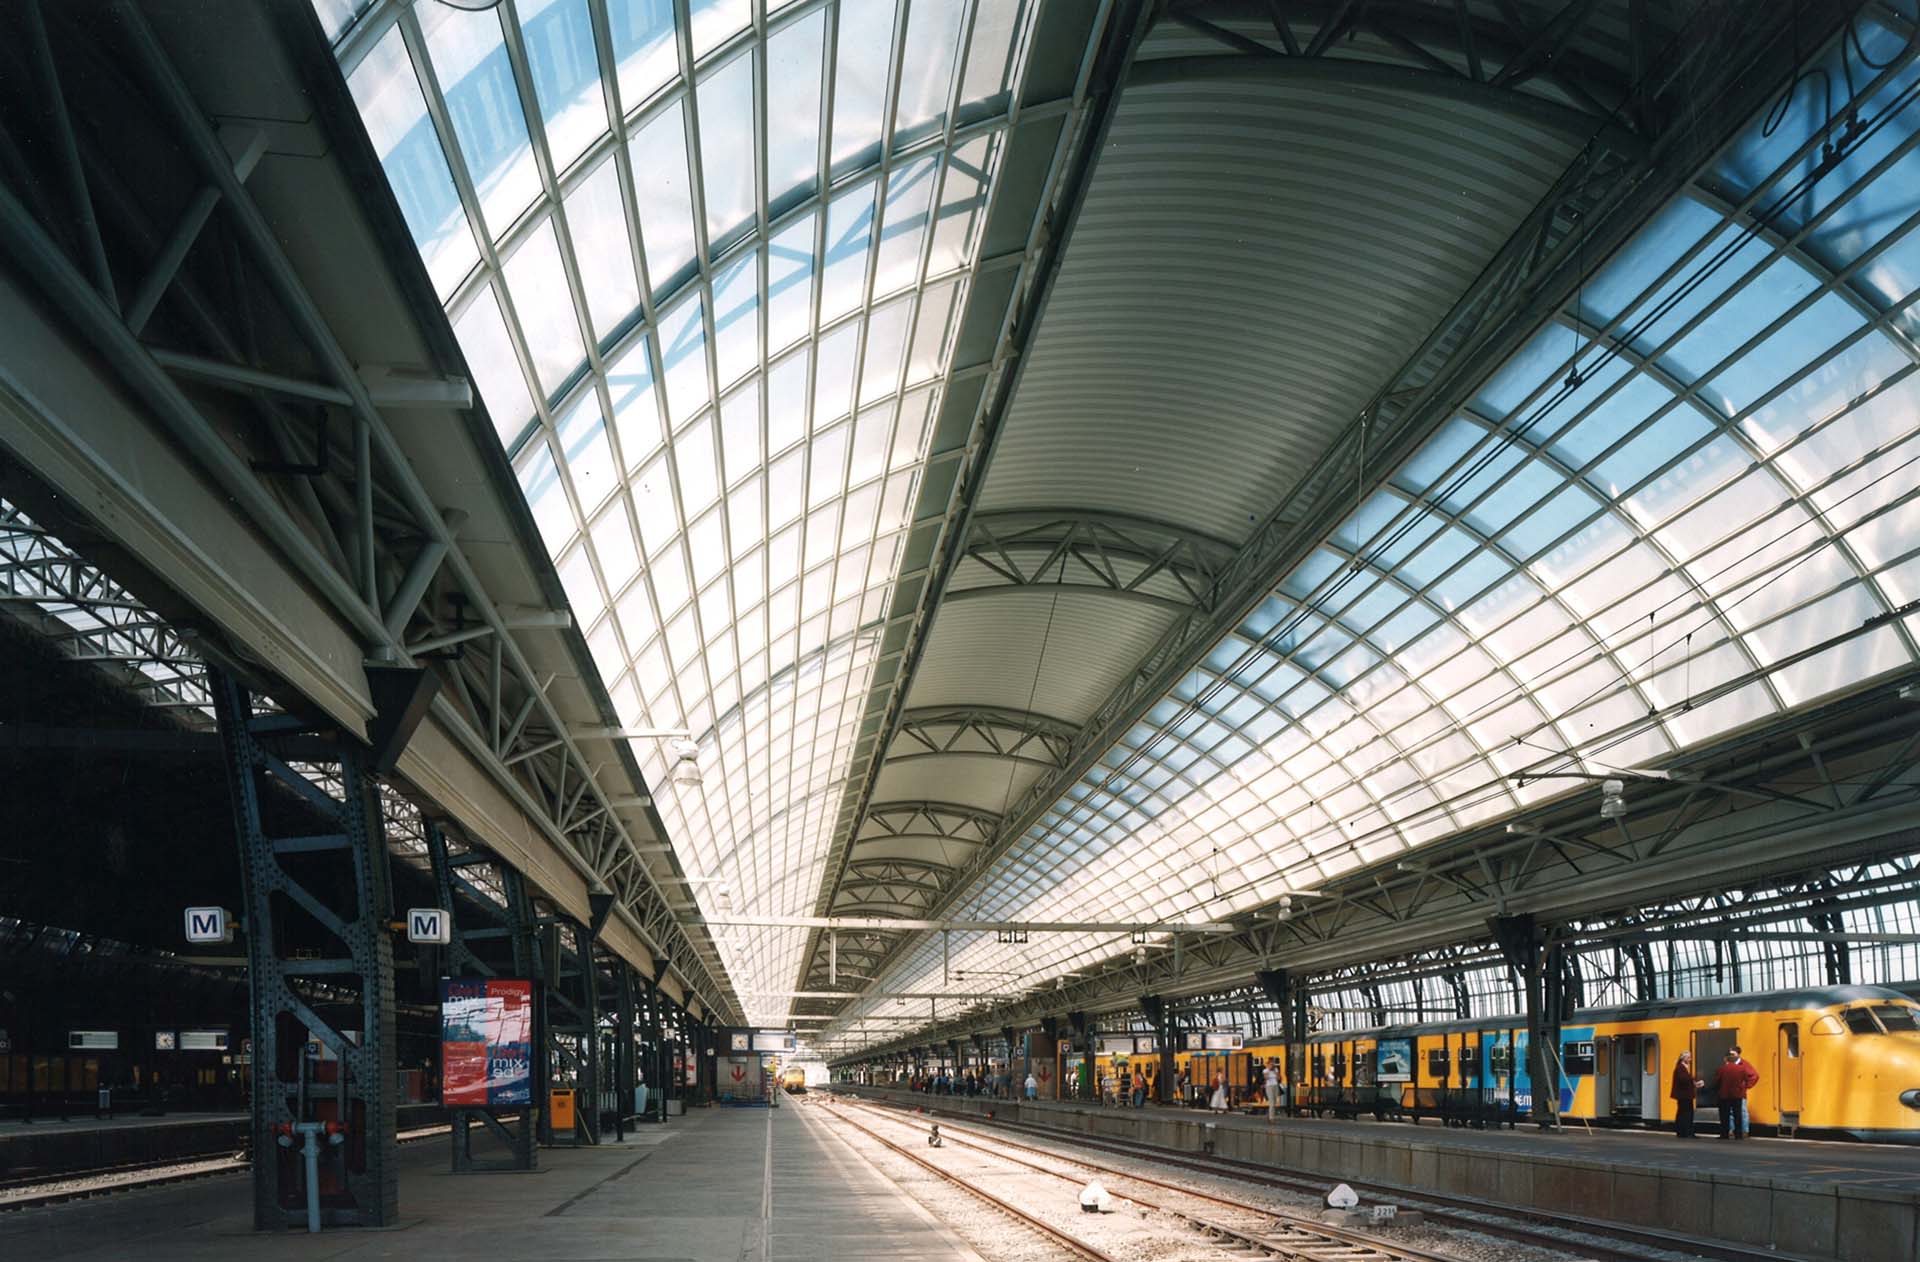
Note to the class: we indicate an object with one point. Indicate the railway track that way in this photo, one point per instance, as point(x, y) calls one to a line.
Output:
point(1543, 1230)
point(1073, 1244)
point(1271, 1234)
point(81, 1185)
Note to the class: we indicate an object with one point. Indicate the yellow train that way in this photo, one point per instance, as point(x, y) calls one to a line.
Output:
point(1837, 1061)
point(794, 1080)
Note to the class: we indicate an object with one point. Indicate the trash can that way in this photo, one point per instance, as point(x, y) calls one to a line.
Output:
point(560, 1105)
point(676, 1107)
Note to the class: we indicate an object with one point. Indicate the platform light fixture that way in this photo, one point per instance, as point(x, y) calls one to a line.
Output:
point(1613, 803)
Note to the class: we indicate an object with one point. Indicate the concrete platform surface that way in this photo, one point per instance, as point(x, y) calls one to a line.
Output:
point(721, 1185)
point(50, 1125)
point(1891, 1167)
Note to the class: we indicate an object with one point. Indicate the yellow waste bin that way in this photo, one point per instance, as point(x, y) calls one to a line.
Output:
point(560, 1102)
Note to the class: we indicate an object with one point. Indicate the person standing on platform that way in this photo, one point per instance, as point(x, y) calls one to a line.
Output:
point(1271, 1081)
point(1684, 1087)
point(1218, 1101)
point(1731, 1082)
point(1033, 1088)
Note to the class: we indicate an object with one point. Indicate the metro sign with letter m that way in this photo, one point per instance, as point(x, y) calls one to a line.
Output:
point(209, 924)
point(430, 924)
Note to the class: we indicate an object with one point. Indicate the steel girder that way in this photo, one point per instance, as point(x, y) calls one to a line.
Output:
point(298, 438)
point(981, 732)
point(1562, 66)
point(93, 619)
point(1083, 552)
point(1714, 76)
point(1095, 97)
point(1738, 812)
point(902, 880)
point(293, 887)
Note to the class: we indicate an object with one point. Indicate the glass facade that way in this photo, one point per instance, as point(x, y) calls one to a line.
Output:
point(705, 261)
point(1687, 506)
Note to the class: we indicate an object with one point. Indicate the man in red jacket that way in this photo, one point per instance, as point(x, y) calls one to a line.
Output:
point(1731, 1082)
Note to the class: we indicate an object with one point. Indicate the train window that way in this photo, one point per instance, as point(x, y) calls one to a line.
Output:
point(1898, 1020)
point(1791, 1033)
point(1468, 1055)
point(1437, 1061)
point(1577, 1058)
point(1826, 1024)
point(1500, 1058)
point(1860, 1021)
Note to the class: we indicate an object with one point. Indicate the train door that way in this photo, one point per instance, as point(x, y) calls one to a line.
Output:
point(1709, 1049)
point(1604, 1057)
point(1786, 1075)
point(1628, 1075)
point(1652, 1086)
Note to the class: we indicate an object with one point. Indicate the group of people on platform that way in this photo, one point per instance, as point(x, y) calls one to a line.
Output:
point(966, 1082)
point(1126, 1088)
point(1731, 1081)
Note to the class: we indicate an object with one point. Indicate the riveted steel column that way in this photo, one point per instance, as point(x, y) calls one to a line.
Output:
point(360, 1177)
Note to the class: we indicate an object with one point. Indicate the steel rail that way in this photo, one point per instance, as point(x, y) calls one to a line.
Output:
point(1319, 1237)
point(1073, 1244)
point(156, 1174)
point(1440, 1208)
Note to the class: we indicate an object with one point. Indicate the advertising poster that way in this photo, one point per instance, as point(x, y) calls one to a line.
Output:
point(486, 1043)
point(1396, 1060)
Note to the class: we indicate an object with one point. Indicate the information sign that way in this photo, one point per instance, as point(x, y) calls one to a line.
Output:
point(94, 1040)
point(1223, 1040)
point(203, 1040)
point(486, 1043)
point(770, 1041)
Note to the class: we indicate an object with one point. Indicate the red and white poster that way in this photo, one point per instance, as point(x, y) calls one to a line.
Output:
point(486, 1043)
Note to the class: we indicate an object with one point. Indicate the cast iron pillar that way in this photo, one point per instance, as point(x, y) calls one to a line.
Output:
point(1280, 986)
point(572, 999)
point(1154, 1008)
point(318, 909)
point(1533, 954)
point(1088, 1086)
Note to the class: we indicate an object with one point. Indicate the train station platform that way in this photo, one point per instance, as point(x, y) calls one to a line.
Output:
point(721, 1185)
point(1806, 1198)
point(49, 1145)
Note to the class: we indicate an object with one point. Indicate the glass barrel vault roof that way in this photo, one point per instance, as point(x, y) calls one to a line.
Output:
point(705, 259)
point(1687, 506)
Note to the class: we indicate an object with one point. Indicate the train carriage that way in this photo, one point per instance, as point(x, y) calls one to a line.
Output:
point(1840, 1061)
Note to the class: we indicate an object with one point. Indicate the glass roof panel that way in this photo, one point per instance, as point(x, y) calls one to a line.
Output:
point(476, 83)
point(1624, 574)
point(697, 360)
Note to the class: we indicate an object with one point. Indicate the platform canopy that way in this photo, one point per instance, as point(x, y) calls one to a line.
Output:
point(1118, 463)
